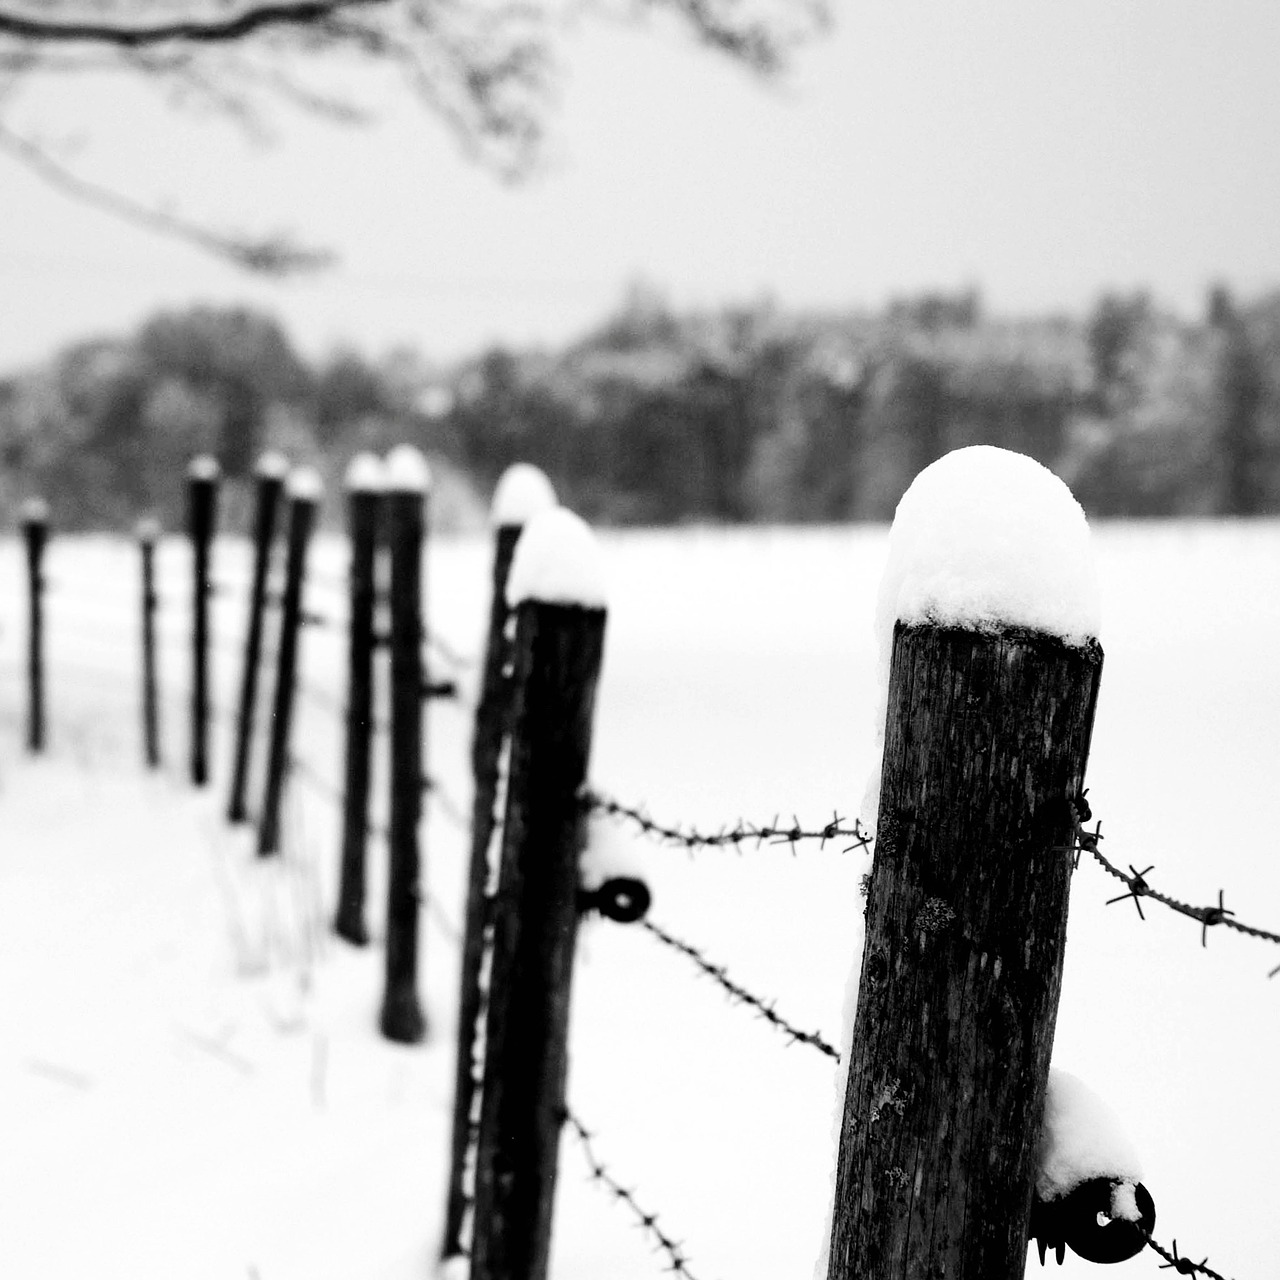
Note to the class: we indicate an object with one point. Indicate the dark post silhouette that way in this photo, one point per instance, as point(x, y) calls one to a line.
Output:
point(364, 483)
point(402, 1017)
point(35, 533)
point(522, 492)
point(203, 475)
point(558, 648)
point(269, 477)
point(148, 535)
point(303, 488)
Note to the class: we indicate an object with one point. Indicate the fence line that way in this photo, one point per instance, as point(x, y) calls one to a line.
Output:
point(677, 1263)
point(736, 836)
point(720, 975)
point(1139, 888)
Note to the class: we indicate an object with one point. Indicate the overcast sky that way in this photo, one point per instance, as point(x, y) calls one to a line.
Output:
point(1041, 151)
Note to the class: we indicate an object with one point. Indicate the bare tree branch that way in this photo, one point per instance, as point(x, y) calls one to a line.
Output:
point(233, 26)
point(273, 255)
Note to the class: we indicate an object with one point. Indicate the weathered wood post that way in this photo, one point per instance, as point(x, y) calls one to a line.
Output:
point(365, 480)
point(203, 475)
point(34, 518)
point(556, 588)
point(522, 492)
point(148, 532)
point(303, 489)
point(404, 507)
point(269, 477)
point(991, 605)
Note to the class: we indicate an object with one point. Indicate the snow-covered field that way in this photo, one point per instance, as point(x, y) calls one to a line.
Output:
point(191, 1085)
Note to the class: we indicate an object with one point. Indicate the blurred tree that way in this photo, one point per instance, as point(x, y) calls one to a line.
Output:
point(1240, 390)
point(1114, 331)
point(485, 68)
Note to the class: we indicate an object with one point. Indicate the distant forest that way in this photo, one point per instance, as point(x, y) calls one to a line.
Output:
point(656, 417)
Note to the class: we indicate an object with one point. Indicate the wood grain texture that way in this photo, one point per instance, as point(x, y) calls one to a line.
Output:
point(492, 716)
point(986, 738)
point(535, 922)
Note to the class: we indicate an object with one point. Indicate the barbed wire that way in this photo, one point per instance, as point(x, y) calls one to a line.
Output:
point(765, 1008)
point(740, 833)
point(677, 1262)
point(1182, 1265)
point(1139, 887)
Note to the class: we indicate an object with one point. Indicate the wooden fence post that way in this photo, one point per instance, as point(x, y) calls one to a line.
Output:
point(148, 532)
point(404, 507)
point(364, 482)
point(522, 492)
point(555, 588)
point(35, 531)
point(986, 740)
point(303, 488)
point(203, 475)
point(269, 476)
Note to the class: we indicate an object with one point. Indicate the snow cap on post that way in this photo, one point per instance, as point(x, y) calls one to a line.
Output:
point(147, 530)
point(523, 490)
point(304, 484)
point(203, 467)
point(34, 511)
point(366, 473)
point(983, 539)
point(557, 561)
point(1081, 1139)
point(407, 470)
point(272, 465)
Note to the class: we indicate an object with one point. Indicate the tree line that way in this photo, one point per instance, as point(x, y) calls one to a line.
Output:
point(743, 414)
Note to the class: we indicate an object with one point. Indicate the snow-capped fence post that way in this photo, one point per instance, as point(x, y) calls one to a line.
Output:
point(556, 589)
point(203, 474)
point(34, 519)
point(269, 477)
point(148, 532)
point(989, 611)
point(404, 512)
point(303, 489)
point(522, 492)
point(364, 483)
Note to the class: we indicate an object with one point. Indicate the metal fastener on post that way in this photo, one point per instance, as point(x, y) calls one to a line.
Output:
point(408, 479)
point(365, 482)
point(522, 492)
point(556, 589)
point(303, 489)
point(269, 477)
point(203, 476)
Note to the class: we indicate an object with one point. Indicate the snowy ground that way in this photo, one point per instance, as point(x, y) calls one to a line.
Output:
point(190, 1082)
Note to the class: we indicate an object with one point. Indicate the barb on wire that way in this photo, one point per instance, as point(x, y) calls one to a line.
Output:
point(740, 993)
point(736, 836)
point(1183, 1266)
point(677, 1262)
point(1138, 886)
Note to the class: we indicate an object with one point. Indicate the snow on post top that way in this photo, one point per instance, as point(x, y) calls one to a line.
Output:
point(985, 538)
point(304, 484)
point(34, 511)
point(203, 467)
point(147, 530)
point(365, 473)
point(523, 491)
point(272, 465)
point(407, 470)
point(557, 561)
point(1081, 1139)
